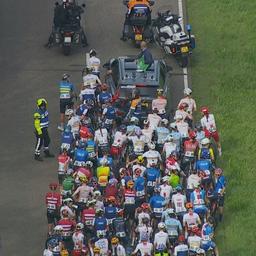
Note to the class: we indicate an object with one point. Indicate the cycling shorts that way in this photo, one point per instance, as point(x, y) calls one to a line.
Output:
point(52, 216)
point(64, 104)
point(221, 201)
point(200, 209)
point(206, 245)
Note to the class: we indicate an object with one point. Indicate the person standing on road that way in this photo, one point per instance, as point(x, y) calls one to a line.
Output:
point(41, 123)
point(145, 58)
point(67, 93)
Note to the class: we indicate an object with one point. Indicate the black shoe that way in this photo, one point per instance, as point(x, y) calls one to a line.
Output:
point(123, 39)
point(38, 158)
point(48, 154)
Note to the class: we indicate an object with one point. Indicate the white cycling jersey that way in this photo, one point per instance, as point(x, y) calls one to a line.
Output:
point(71, 213)
point(165, 191)
point(142, 230)
point(191, 104)
point(78, 239)
point(152, 157)
point(94, 63)
point(148, 132)
point(182, 128)
point(208, 122)
point(194, 242)
point(183, 113)
point(145, 248)
point(169, 147)
point(179, 201)
point(91, 80)
point(86, 92)
point(119, 138)
point(191, 220)
point(154, 120)
point(161, 240)
point(118, 250)
point(103, 245)
point(193, 181)
point(138, 143)
point(143, 215)
point(181, 248)
point(47, 252)
point(101, 136)
point(74, 123)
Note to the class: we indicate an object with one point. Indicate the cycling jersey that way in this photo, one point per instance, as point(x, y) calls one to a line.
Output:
point(110, 213)
point(204, 164)
point(162, 133)
point(176, 139)
point(191, 104)
point(144, 230)
point(67, 138)
point(119, 138)
point(131, 128)
point(101, 137)
point(139, 186)
point(118, 250)
point(154, 120)
point(148, 132)
point(191, 220)
point(103, 173)
point(104, 97)
point(83, 192)
point(174, 180)
point(193, 181)
point(207, 231)
point(185, 115)
point(66, 89)
point(220, 184)
point(78, 240)
point(74, 123)
point(179, 200)
point(194, 242)
point(141, 216)
point(208, 122)
point(90, 148)
point(54, 241)
point(161, 240)
point(102, 243)
point(110, 115)
point(197, 197)
point(152, 175)
point(81, 155)
point(205, 153)
point(94, 64)
point(129, 197)
point(100, 223)
point(165, 191)
point(119, 227)
point(145, 248)
point(136, 107)
point(91, 80)
point(159, 104)
point(152, 157)
point(52, 200)
point(190, 148)
point(68, 183)
point(157, 204)
point(182, 128)
point(173, 227)
point(169, 147)
point(82, 110)
point(63, 161)
point(88, 216)
point(138, 143)
point(67, 225)
point(181, 250)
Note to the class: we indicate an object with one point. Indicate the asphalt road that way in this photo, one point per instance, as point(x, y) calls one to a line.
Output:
point(29, 71)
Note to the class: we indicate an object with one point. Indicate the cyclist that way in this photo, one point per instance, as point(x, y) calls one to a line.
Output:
point(166, 189)
point(181, 249)
point(161, 239)
point(78, 240)
point(178, 203)
point(152, 175)
point(154, 119)
point(162, 133)
point(117, 248)
point(209, 126)
point(188, 100)
point(194, 240)
point(63, 161)
point(94, 62)
point(206, 152)
point(104, 96)
point(182, 110)
point(153, 156)
point(169, 146)
point(144, 247)
point(160, 102)
point(73, 122)
point(67, 139)
point(55, 241)
point(70, 207)
point(53, 203)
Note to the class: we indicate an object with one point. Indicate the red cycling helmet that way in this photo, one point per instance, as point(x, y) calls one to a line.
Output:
point(192, 135)
point(183, 105)
point(195, 230)
point(205, 110)
point(145, 206)
point(104, 87)
point(181, 238)
point(53, 186)
point(218, 171)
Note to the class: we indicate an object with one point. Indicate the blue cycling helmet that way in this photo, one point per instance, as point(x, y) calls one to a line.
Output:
point(81, 144)
point(179, 188)
point(67, 129)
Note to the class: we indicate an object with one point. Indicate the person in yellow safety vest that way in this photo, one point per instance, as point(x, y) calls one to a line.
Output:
point(41, 123)
point(103, 173)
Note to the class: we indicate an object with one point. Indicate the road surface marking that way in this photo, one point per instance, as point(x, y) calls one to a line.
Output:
point(185, 70)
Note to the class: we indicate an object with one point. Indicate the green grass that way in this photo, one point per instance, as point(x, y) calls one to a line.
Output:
point(223, 77)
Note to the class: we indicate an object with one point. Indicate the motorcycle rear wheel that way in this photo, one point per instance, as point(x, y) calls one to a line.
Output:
point(66, 49)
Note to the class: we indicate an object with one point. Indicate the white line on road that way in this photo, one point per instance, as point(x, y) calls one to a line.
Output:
point(185, 70)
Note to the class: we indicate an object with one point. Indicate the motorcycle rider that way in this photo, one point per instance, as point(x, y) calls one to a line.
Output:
point(209, 126)
point(67, 92)
point(41, 123)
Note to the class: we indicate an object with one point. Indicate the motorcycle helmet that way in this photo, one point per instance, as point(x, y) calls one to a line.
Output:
point(41, 102)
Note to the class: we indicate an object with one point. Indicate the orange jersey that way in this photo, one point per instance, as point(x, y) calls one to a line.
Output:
point(132, 3)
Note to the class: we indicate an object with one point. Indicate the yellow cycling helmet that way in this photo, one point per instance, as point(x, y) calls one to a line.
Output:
point(41, 101)
point(96, 249)
point(114, 240)
point(140, 159)
point(37, 115)
point(64, 253)
point(130, 184)
point(83, 179)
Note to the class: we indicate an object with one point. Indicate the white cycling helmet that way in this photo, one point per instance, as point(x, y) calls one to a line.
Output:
point(165, 178)
point(187, 91)
point(146, 121)
point(89, 164)
point(68, 200)
point(169, 137)
point(173, 126)
point(134, 119)
point(165, 121)
point(58, 228)
point(151, 145)
point(161, 225)
point(97, 193)
point(79, 225)
point(205, 141)
point(200, 251)
point(170, 211)
point(69, 112)
point(69, 171)
point(162, 111)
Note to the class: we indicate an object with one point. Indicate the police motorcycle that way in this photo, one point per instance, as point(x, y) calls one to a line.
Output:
point(169, 34)
point(137, 25)
point(68, 32)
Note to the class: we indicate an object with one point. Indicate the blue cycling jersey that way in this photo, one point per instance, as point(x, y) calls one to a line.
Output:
point(67, 137)
point(104, 97)
point(203, 164)
point(110, 212)
point(157, 201)
point(100, 223)
point(110, 113)
point(81, 155)
point(220, 184)
point(139, 184)
point(82, 110)
point(152, 174)
point(65, 89)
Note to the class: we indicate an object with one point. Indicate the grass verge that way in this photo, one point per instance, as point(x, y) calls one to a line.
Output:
point(223, 76)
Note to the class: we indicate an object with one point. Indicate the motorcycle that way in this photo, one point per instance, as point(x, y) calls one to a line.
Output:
point(169, 35)
point(138, 25)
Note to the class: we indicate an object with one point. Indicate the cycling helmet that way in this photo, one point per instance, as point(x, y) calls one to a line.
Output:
point(159, 91)
point(83, 179)
point(114, 240)
point(183, 105)
point(69, 171)
point(164, 121)
point(187, 91)
point(151, 145)
point(140, 159)
point(58, 228)
point(123, 128)
point(53, 186)
point(96, 249)
point(165, 178)
point(146, 122)
point(200, 251)
point(67, 129)
point(205, 141)
point(173, 126)
point(161, 225)
point(65, 76)
point(97, 193)
point(122, 171)
point(89, 164)
point(138, 131)
point(157, 189)
point(210, 220)
point(92, 52)
point(192, 135)
point(178, 117)
point(41, 102)
point(189, 205)
point(162, 111)
point(130, 184)
point(99, 210)
point(181, 238)
point(218, 171)
point(179, 188)
point(69, 112)
point(67, 200)
point(91, 202)
point(37, 116)
point(169, 137)
point(79, 226)
point(170, 211)
point(205, 110)
point(145, 206)
point(134, 119)
point(104, 87)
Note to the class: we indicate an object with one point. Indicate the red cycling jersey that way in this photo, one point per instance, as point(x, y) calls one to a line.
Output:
point(52, 200)
point(190, 147)
point(88, 216)
point(67, 225)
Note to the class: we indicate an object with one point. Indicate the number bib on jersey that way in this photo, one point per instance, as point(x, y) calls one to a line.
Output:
point(158, 210)
point(79, 163)
point(129, 200)
point(88, 222)
point(120, 234)
point(108, 121)
point(189, 154)
point(65, 145)
point(140, 193)
point(61, 169)
point(51, 206)
point(151, 183)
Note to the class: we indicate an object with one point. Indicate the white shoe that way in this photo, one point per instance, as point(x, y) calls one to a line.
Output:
point(61, 128)
point(220, 152)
